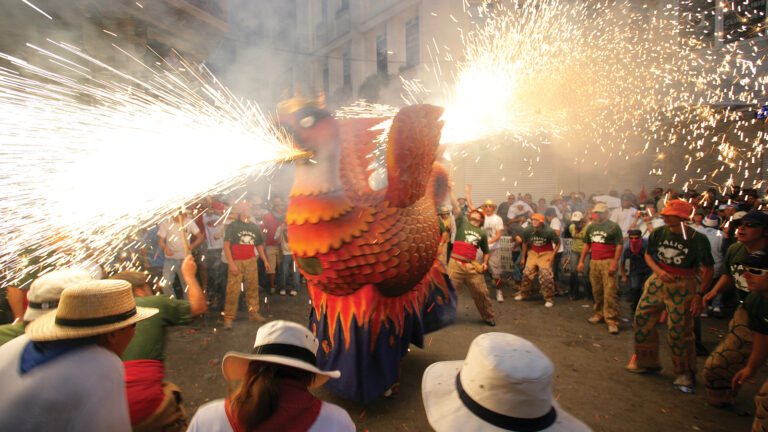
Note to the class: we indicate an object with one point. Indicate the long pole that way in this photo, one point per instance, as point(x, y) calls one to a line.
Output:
point(183, 231)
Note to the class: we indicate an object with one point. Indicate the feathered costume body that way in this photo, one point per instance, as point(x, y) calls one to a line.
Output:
point(369, 257)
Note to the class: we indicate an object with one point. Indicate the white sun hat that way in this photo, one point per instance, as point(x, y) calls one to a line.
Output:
point(505, 383)
point(280, 342)
point(45, 291)
point(577, 216)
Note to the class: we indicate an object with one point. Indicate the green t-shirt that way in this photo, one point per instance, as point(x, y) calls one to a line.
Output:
point(9, 332)
point(149, 340)
point(735, 254)
point(675, 250)
point(545, 238)
point(756, 305)
point(468, 233)
point(608, 233)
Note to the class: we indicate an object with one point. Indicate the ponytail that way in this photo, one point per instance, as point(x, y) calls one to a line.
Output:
point(256, 398)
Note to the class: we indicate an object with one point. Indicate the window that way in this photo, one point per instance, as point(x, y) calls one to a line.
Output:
point(412, 42)
point(346, 70)
point(381, 54)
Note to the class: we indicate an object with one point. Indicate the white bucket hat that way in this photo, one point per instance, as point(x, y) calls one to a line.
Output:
point(280, 342)
point(45, 291)
point(88, 309)
point(505, 383)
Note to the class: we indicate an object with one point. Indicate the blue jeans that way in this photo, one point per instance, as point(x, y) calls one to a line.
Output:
point(171, 269)
point(636, 283)
point(288, 272)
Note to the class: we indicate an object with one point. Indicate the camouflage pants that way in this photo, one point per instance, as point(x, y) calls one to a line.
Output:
point(464, 274)
point(761, 410)
point(539, 263)
point(676, 298)
point(248, 276)
point(604, 291)
point(728, 358)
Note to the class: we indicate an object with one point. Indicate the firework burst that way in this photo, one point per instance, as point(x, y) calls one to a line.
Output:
point(91, 154)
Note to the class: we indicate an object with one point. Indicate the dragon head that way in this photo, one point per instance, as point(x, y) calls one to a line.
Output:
point(310, 126)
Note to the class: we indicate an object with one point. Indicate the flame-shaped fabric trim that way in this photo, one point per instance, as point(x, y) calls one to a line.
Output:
point(371, 309)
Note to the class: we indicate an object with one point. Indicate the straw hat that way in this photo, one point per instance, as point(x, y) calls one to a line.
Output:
point(45, 291)
point(88, 309)
point(489, 203)
point(280, 342)
point(600, 207)
point(505, 383)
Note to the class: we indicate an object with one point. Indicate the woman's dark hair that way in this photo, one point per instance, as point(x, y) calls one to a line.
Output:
point(256, 398)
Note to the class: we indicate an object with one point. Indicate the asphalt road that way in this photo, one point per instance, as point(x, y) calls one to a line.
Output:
point(590, 381)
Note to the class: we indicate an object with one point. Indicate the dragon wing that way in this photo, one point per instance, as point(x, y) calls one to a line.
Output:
point(411, 151)
point(358, 142)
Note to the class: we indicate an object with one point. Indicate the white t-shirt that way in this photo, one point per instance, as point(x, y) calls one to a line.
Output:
point(556, 225)
point(624, 218)
point(82, 390)
point(169, 229)
point(213, 230)
point(211, 417)
point(492, 225)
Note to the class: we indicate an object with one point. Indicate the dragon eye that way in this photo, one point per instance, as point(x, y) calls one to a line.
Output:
point(307, 121)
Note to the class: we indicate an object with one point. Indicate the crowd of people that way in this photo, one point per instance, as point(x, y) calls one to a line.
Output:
point(673, 255)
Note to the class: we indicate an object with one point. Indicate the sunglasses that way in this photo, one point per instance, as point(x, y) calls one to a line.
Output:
point(756, 271)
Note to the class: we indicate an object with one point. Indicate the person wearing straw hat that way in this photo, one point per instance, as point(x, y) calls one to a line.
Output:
point(43, 296)
point(270, 387)
point(675, 254)
point(153, 403)
point(504, 384)
point(65, 372)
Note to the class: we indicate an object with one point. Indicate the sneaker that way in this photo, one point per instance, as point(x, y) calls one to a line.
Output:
point(519, 297)
point(499, 296)
point(257, 317)
point(282, 292)
point(613, 329)
point(294, 293)
point(548, 304)
point(595, 319)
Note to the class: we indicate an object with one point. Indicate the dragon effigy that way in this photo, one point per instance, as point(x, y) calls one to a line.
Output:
point(369, 256)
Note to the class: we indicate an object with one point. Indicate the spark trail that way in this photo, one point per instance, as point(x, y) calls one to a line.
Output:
point(91, 153)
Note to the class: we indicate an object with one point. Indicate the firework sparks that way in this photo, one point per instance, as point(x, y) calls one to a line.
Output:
point(92, 154)
point(603, 77)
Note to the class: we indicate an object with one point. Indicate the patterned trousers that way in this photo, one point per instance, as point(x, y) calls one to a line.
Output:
point(539, 263)
point(728, 358)
point(674, 297)
point(604, 290)
point(248, 276)
point(464, 274)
